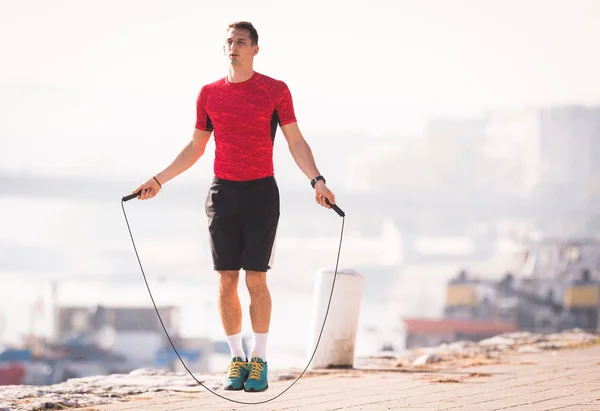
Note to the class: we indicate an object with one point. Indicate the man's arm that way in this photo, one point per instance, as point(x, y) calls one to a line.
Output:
point(300, 150)
point(186, 158)
point(303, 156)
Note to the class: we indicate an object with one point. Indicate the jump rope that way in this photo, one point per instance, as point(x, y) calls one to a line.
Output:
point(334, 207)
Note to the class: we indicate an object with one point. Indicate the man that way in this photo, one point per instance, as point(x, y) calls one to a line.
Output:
point(243, 109)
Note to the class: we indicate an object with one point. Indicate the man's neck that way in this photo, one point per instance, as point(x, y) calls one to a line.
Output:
point(239, 74)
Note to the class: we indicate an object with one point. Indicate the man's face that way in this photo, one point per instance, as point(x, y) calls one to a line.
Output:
point(238, 48)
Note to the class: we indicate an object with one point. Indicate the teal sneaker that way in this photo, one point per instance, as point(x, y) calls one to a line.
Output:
point(237, 374)
point(257, 380)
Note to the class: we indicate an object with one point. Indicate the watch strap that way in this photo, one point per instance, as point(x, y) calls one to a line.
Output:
point(317, 178)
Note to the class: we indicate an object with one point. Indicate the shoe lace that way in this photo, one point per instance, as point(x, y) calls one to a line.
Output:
point(255, 369)
point(234, 368)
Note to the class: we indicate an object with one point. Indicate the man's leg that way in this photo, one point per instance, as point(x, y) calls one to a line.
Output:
point(225, 235)
point(260, 310)
point(260, 315)
point(261, 216)
point(230, 310)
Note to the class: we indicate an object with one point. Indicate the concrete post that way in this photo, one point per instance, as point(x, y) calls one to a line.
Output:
point(336, 347)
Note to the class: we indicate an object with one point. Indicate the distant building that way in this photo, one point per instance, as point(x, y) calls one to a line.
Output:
point(507, 152)
point(546, 149)
point(134, 332)
point(512, 148)
point(75, 319)
point(570, 144)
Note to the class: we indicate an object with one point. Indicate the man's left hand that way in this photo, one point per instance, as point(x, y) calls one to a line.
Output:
point(322, 193)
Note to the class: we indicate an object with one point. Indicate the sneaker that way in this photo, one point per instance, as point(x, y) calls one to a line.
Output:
point(257, 380)
point(237, 373)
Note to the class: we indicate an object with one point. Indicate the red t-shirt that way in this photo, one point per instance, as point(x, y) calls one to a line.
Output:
point(244, 117)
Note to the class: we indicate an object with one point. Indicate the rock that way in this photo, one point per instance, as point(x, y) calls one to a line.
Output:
point(524, 337)
point(149, 371)
point(552, 345)
point(426, 359)
point(286, 376)
point(463, 346)
point(493, 354)
point(497, 343)
point(528, 349)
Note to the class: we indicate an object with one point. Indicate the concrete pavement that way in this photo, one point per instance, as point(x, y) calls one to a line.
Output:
point(563, 379)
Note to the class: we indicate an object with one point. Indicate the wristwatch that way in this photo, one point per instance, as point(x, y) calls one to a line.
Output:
point(317, 178)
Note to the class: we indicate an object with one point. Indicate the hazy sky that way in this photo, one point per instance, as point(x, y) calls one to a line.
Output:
point(87, 86)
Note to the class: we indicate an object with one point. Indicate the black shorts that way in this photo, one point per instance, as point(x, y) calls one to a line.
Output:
point(242, 223)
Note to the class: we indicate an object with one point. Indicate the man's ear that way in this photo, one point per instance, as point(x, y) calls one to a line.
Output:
point(255, 50)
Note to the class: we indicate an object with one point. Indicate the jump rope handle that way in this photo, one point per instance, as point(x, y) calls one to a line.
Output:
point(335, 208)
point(131, 196)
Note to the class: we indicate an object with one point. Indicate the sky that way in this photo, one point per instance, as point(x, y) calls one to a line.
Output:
point(108, 88)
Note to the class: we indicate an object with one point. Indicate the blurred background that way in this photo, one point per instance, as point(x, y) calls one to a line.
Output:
point(461, 138)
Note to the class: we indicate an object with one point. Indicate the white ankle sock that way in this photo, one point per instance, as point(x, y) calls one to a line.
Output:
point(260, 345)
point(235, 345)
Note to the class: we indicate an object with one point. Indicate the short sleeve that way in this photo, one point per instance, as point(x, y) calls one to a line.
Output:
point(203, 121)
point(284, 105)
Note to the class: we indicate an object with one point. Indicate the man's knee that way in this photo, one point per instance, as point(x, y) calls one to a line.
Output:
point(228, 280)
point(256, 281)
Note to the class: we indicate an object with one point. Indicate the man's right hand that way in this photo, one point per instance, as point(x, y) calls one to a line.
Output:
point(149, 189)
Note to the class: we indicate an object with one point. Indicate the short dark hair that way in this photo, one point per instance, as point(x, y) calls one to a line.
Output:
point(246, 25)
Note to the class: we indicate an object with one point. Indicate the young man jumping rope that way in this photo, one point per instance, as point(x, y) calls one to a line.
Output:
point(243, 109)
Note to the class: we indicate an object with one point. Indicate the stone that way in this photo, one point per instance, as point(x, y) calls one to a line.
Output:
point(528, 349)
point(426, 359)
